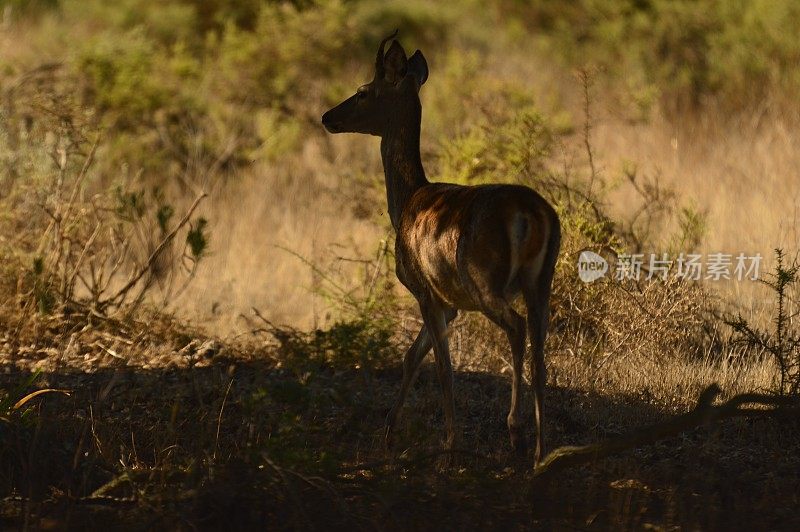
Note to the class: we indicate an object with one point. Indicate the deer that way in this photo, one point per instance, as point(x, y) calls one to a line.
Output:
point(457, 247)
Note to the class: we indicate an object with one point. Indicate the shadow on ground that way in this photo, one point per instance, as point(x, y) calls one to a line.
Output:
point(242, 444)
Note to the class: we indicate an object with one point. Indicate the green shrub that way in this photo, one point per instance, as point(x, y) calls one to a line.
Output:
point(287, 48)
point(689, 50)
point(509, 148)
point(164, 22)
point(357, 344)
point(128, 78)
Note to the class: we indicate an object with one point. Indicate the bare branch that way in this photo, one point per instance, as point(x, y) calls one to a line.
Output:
point(156, 252)
point(705, 412)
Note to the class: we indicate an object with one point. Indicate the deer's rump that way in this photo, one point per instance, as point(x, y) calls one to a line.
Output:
point(459, 243)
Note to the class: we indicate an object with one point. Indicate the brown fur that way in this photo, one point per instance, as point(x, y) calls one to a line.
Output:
point(453, 238)
point(457, 247)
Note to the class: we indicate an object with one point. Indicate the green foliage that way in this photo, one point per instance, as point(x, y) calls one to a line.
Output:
point(193, 84)
point(277, 133)
point(28, 7)
point(197, 238)
point(426, 22)
point(188, 83)
point(77, 242)
point(10, 398)
point(163, 216)
point(693, 224)
point(284, 407)
point(164, 22)
point(131, 205)
point(287, 47)
point(214, 14)
point(16, 402)
point(128, 78)
point(357, 344)
point(498, 148)
point(43, 289)
point(687, 50)
point(368, 298)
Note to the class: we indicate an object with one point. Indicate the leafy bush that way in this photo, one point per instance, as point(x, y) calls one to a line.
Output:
point(365, 328)
point(516, 147)
point(127, 78)
point(688, 50)
point(76, 242)
point(357, 344)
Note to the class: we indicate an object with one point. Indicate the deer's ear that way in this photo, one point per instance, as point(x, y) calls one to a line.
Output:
point(418, 67)
point(395, 63)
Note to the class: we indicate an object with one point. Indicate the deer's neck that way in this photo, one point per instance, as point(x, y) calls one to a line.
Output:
point(402, 168)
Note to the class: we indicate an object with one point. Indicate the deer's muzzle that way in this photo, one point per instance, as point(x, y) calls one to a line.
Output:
point(330, 124)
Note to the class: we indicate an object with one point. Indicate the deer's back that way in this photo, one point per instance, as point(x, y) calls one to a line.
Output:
point(455, 242)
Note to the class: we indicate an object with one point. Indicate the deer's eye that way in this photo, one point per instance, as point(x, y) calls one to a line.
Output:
point(361, 94)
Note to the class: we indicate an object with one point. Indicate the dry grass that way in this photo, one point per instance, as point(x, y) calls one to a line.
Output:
point(740, 171)
point(721, 166)
point(268, 216)
point(201, 419)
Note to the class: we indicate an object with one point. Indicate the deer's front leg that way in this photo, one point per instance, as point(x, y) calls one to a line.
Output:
point(413, 358)
point(435, 318)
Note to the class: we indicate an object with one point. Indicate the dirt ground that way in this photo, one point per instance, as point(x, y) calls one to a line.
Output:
point(231, 436)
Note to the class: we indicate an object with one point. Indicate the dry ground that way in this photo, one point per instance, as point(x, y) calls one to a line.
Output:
point(239, 435)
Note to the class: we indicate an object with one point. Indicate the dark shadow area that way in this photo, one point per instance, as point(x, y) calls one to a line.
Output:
point(242, 444)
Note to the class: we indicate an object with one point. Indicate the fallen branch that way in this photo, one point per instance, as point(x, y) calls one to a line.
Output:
point(704, 413)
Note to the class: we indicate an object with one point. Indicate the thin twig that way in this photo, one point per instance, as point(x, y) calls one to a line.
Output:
point(154, 255)
point(219, 420)
point(586, 82)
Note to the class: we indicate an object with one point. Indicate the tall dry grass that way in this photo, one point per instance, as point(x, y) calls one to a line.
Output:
point(741, 172)
point(269, 224)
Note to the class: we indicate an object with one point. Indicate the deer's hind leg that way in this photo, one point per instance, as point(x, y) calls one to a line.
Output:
point(500, 311)
point(536, 286)
point(488, 284)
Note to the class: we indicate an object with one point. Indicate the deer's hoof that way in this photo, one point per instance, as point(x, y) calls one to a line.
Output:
point(537, 458)
point(518, 441)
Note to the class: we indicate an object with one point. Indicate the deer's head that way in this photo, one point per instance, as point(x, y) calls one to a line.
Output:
point(394, 92)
